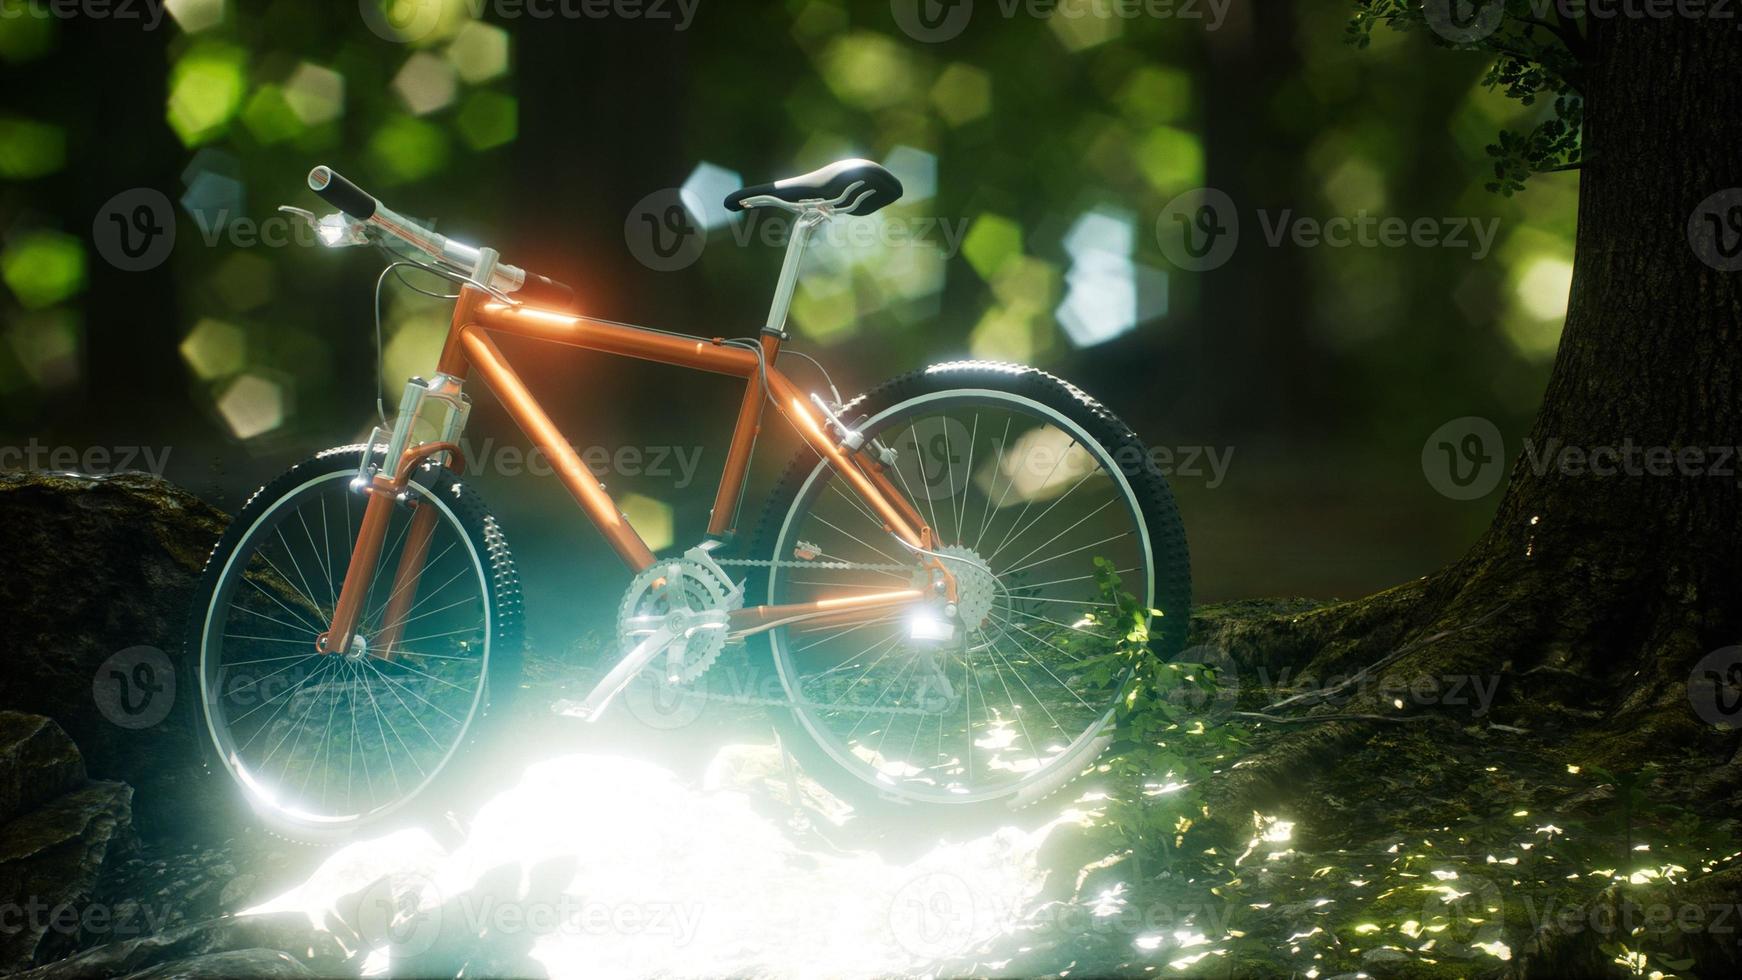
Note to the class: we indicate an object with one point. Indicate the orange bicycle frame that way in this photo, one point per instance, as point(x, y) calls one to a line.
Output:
point(469, 347)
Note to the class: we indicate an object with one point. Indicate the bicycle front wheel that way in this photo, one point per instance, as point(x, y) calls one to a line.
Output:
point(1030, 488)
point(324, 745)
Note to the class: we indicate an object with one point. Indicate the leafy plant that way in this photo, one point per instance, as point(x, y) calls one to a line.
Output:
point(1165, 740)
point(1538, 59)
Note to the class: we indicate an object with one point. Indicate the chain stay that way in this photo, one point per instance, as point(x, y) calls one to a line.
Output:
point(761, 702)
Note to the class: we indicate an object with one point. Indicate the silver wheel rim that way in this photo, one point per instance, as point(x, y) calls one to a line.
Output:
point(364, 679)
point(1060, 766)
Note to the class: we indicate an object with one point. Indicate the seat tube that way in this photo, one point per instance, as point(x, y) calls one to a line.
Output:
point(722, 520)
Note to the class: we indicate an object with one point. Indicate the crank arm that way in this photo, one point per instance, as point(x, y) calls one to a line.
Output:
point(595, 703)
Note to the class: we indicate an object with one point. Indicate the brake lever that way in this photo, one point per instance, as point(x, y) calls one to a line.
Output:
point(334, 230)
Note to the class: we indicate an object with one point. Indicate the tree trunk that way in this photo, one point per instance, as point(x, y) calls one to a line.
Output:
point(1634, 569)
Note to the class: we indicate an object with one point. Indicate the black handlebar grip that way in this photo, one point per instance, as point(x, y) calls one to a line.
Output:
point(547, 293)
point(342, 194)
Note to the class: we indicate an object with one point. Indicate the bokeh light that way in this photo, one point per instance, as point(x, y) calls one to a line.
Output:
point(425, 83)
point(30, 149)
point(206, 86)
point(252, 405)
point(214, 349)
point(43, 267)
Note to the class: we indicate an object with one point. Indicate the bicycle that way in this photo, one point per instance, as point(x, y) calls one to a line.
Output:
point(924, 570)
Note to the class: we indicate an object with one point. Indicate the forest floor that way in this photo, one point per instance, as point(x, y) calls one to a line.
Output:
point(1455, 846)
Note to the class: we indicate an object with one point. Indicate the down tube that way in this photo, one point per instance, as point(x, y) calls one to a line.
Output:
point(488, 360)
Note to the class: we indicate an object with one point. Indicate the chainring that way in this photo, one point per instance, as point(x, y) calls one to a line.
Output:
point(673, 590)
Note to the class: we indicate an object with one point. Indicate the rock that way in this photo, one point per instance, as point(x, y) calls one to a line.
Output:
point(51, 860)
point(290, 934)
point(1384, 956)
point(102, 565)
point(223, 966)
point(238, 890)
point(38, 762)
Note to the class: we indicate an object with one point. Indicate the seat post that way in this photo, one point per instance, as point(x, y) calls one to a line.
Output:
point(802, 225)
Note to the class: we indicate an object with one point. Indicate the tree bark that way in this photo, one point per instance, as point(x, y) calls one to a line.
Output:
point(1633, 570)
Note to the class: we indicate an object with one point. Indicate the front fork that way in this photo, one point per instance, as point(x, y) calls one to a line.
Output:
point(387, 486)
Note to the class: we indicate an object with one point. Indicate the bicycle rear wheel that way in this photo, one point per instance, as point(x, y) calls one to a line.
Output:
point(1026, 483)
point(324, 745)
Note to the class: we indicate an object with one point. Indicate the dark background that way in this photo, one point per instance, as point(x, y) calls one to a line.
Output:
point(1323, 370)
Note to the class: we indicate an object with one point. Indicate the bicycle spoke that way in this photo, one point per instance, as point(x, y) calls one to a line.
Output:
point(277, 739)
point(1005, 697)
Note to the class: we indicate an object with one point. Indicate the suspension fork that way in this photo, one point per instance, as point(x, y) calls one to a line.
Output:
point(384, 494)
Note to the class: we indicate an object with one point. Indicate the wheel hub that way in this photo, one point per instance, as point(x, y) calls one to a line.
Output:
point(976, 586)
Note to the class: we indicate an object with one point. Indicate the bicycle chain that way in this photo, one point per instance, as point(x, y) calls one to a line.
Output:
point(840, 565)
point(761, 702)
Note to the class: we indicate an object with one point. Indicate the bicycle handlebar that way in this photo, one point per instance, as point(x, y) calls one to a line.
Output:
point(365, 208)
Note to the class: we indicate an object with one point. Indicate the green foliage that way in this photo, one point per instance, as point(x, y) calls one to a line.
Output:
point(1165, 744)
point(1537, 61)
